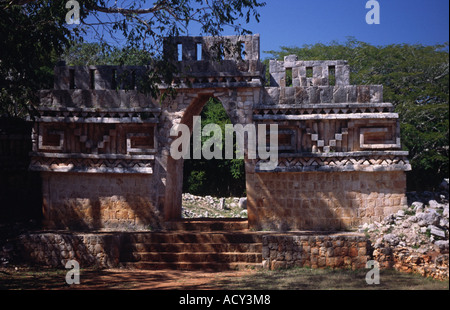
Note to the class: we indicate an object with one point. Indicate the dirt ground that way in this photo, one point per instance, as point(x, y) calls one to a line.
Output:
point(155, 279)
point(121, 279)
point(35, 278)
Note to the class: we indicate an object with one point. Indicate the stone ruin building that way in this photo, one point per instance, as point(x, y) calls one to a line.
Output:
point(102, 147)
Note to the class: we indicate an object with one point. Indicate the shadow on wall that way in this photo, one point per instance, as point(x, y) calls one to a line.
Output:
point(83, 202)
point(323, 201)
point(56, 249)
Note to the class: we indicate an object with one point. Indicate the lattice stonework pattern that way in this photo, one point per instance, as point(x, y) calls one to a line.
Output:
point(326, 124)
point(94, 147)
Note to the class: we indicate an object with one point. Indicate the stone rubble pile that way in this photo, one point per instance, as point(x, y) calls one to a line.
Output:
point(415, 239)
point(216, 207)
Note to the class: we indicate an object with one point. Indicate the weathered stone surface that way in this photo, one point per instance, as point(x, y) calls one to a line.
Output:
point(96, 201)
point(429, 217)
point(436, 231)
point(54, 249)
point(408, 241)
point(322, 201)
point(392, 239)
point(318, 251)
point(243, 203)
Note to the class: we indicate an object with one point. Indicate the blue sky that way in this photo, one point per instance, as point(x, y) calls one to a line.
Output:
point(298, 22)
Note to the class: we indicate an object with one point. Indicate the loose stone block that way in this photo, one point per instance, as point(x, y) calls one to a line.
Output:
point(339, 94)
point(326, 94)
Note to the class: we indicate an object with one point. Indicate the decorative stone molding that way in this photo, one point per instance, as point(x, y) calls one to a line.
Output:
point(341, 161)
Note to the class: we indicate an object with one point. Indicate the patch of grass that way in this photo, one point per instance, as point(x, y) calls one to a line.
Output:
point(30, 278)
point(410, 212)
point(366, 233)
point(328, 279)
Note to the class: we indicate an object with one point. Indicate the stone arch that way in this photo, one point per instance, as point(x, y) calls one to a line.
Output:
point(238, 109)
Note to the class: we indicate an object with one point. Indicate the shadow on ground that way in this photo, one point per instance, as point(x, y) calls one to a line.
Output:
point(26, 278)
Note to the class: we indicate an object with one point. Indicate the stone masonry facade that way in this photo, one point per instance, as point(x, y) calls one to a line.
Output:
point(325, 201)
point(103, 147)
point(83, 202)
point(56, 249)
point(315, 251)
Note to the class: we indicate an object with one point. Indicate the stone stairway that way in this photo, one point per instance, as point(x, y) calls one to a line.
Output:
point(195, 245)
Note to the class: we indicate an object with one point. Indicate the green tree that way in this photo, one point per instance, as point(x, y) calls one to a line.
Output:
point(32, 36)
point(218, 177)
point(35, 33)
point(94, 53)
point(415, 79)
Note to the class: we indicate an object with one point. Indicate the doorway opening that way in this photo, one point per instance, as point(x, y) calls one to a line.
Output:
point(214, 188)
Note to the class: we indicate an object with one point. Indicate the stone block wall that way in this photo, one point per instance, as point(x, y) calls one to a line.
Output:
point(321, 200)
point(94, 145)
point(325, 94)
point(105, 250)
point(81, 201)
point(315, 251)
point(308, 73)
point(56, 249)
point(245, 47)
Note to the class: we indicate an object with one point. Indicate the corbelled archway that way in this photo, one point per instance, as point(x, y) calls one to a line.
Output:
point(238, 106)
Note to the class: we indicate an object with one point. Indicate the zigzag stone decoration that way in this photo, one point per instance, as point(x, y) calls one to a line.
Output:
point(100, 164)
point(340, 162)
point(319, 145)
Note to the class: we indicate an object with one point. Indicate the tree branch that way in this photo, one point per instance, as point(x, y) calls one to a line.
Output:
point(128, 11)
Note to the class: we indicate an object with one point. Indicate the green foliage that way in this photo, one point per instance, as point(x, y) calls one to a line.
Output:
point(81, 53)
point(218, 177)
point(32, 37)
point(84, 54)
point(196, 181)
point(143, 24)
point(415, 79)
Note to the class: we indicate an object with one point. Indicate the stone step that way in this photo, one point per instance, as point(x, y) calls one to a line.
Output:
point(208, 225)
point(195, 257)
point(195, 247)
point(207, 266)
point(199, 244)
point(192, 237)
